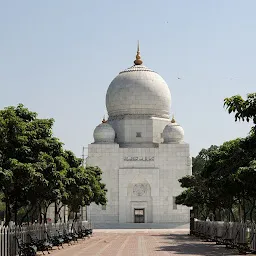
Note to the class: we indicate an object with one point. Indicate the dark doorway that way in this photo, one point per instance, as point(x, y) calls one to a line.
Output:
point(139, 216)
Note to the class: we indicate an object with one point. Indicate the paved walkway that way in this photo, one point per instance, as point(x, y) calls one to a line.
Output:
point(143, 242)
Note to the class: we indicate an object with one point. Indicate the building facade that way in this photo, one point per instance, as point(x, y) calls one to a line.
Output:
point(140, 151)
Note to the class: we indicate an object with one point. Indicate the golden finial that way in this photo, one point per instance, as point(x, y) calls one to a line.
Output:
point(173, 120)
point(138, 61)
point(104, 120)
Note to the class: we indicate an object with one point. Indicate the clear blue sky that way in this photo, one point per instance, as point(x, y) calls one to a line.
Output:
point(58, 58)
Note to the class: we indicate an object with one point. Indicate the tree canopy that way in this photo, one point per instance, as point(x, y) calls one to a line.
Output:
point(223, 177)
point(36, 171)
point(244, 110)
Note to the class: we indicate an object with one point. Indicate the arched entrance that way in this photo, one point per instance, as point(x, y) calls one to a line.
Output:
point(139, 205)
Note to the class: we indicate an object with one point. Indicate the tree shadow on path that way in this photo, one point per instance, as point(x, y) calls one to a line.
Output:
point(181, 244)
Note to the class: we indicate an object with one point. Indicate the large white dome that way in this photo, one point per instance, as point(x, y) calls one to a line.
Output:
point(138, 90)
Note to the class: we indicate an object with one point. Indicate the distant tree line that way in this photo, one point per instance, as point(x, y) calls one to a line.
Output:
point(36, 171)
point(223, 181)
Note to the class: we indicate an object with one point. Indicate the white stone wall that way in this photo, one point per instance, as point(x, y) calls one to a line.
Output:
point(150, 128)
point(106, 156)
point(175, 162)
point(126, 130)
point(158, 168)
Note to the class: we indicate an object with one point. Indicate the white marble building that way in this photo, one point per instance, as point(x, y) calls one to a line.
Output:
point(140, 151)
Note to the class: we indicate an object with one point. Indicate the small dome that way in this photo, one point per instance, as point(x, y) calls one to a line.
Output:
point(104, 133)
point(173, 133)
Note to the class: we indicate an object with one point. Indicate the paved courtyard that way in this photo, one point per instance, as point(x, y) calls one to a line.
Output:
point(150, 242)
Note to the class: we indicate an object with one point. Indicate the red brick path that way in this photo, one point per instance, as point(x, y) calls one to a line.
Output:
point(142, 243)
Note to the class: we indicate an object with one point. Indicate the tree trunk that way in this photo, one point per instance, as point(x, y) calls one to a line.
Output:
point(251, 210)
point(60, 218)
point(69, 214)
point(26, 215)
point(46, 206)
point(56, 212)
point(45, 217)
point(8, 214)
point(217, 215)
point(214, 214)
point(233, 218)
point(15, 212)
point(244, 212)
point(40, 214)
point(33, 215)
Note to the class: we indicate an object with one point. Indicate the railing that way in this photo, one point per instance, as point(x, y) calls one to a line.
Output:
point(8, 244)
point(238, 233)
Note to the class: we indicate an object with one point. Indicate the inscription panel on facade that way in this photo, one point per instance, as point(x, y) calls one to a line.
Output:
point(139, 158)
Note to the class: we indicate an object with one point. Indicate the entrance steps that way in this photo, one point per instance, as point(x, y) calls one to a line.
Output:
point(183, 225)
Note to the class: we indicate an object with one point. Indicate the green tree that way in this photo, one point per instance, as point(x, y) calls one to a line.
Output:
point(244, 110)
point(17, 156)
point(198, 192)
point(84, 185)
point(35, 170)
point(224, 177)
point(213, 188)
